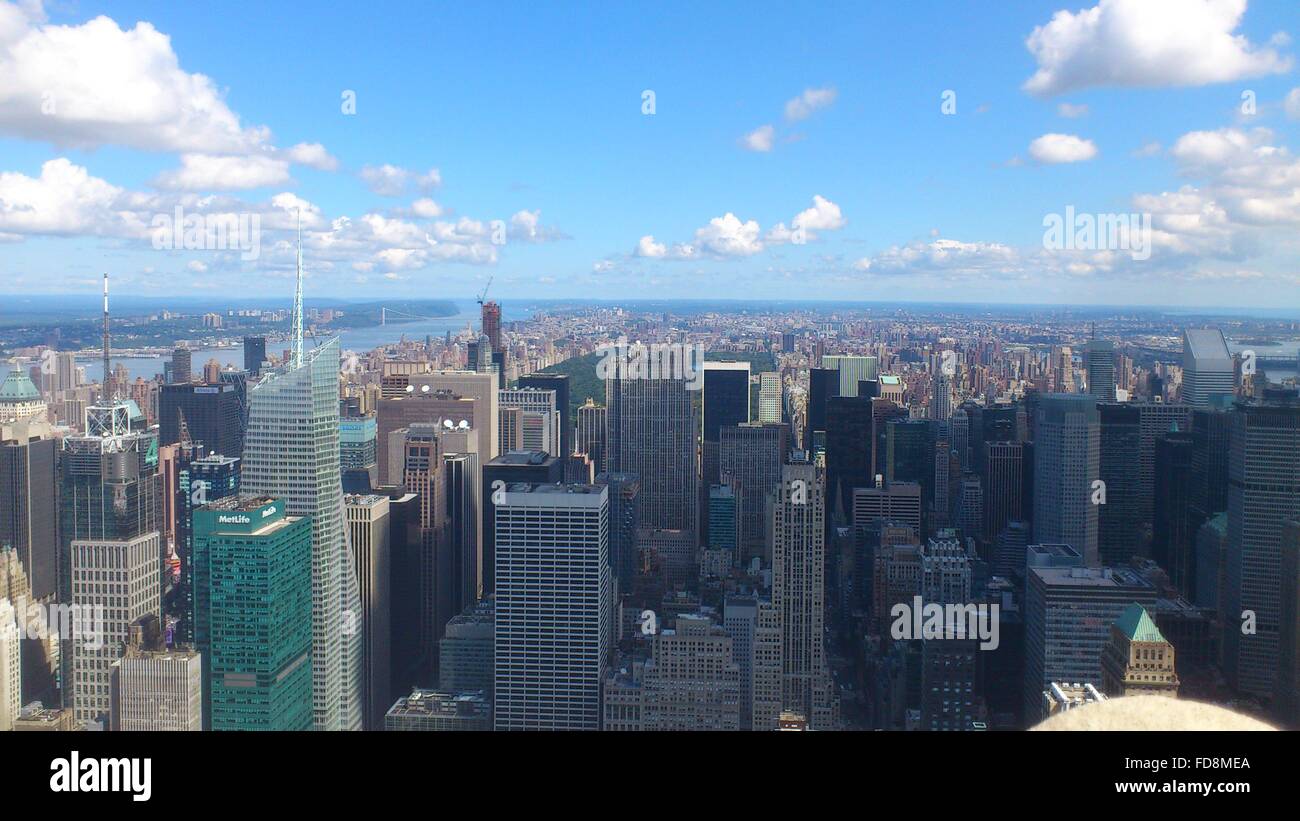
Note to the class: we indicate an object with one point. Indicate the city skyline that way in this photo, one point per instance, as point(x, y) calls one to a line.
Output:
point(867, 157)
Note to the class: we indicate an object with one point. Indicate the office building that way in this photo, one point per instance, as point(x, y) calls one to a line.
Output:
point(359, 452)
point(1137, 660)
point(531, 467)
point(1207, 366)
point(770, 402)
point(1068, 615)
point(559, 383)
point(254, 355)
point(155, 689)
point(691, 681)
point(1066, 463)
point(440, 711)
point(624, 549)
point(114, 582)
point(754, 624)
point(11, 667)
point(651, 432)
point(291, 453)
point(209, 413)
point(554, 606)
point(1263, 494)
point(798, 536)
point(368, 532)
point(1119, 526)
point(750, 460)
point(466, 651)
point(1099, 360)
point(851, 370)
point(28, 486)
point(591, 433)
point(255, 614)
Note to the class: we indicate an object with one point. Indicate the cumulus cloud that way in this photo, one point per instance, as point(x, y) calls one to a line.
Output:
point(1072, 111)
point(393, 181)
point(1292, 104)
point(1147, 43)
point(760, 139)
point(312, 155)
point(205, 172)
point(1061, 148)
point(97, 84)
point(526, 226)
point(809, 101)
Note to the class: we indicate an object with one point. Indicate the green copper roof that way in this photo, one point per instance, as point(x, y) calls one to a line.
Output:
point(1137, 625)
point(17, 387)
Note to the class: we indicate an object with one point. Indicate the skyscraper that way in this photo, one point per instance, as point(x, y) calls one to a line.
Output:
point(1066, 463)
point(1207, 366)
point(651, 431)
point(114, 582)
point(254, 354)
point(11, 680)
point(798, 536)
point(751, 456)
point(558, 382)
point(852, 370)
point(1263, 493)
point(554, 606)
point(255, 614)
point(769, 397)
point(726, 402)
point(155, 689)
point(371, 556)
point(28, 511)
point(591, 433)
point(1119, 527)
point(291, 452)
point(1099, 358)
point(209, 413)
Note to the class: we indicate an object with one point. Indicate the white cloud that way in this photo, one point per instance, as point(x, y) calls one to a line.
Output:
point(1062, 148)
point(426, 208)
point(1147, 43)
point(393, 181)
point(1071, 111)
point(648, 248)
point(312, 155)
point(197, 266)
point(760, 139)
point(526, 226)
point(64, 200)
point(205, 172)
point(728, 236)
point(97, 84)
point(1292, 104)
point(812, 99)
point(943, 256)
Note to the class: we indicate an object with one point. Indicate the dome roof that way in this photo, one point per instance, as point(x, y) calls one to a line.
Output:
point(17, 387)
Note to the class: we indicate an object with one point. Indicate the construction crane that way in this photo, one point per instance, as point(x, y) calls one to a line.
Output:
point(483, 295)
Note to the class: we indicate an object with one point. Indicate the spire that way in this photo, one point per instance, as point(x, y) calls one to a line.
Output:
point(295, 358)
point(108, 394)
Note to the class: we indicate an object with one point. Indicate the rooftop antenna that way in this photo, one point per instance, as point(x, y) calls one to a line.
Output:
point(108, 374)
point(295, 356)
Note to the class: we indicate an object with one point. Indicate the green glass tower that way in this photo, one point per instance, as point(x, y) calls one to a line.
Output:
point(253, 614)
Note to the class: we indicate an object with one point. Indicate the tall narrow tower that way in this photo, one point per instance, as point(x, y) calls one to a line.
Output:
point(109, 394)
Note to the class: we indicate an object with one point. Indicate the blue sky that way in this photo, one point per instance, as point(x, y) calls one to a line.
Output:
point(533, 117)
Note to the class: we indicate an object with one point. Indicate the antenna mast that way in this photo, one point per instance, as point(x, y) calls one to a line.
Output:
point(109, 394)
point(296, 351)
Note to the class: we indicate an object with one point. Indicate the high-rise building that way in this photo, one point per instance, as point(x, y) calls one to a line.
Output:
point(1174, 543)
point(692, 681)
point(754, 624)
point(291, 453)
point(466, 652)
point(254, 354)
point(209, 413)
point(823, 383)
point(624, 496)
point(199, 481)
point(28, 486)
point(498, 474)
point(591, 433)
point(1137, 660)
point(1207, 366)
point(769, 397)
point(529, 420)
point(182, 370)
point(1004, 464)
point(726, 402)
point(1263, 493)
point(491, 315)
point(1066, 463)
point(750, 459)
point(852, 370)
point(255, 614)
point(115, 581)
point(798, 536)
point(11, 669)
point(1068, 614)
point(558, 382)
point(155, 689)
point(723, 521)
point(1119, 526)
point(440, 711)
point(359, 452)
point(554, 606)
point(847, 443)
point(368, 531)
point(1099, 359)
point(651, 431)
point(464, 484)
point(1286, 696)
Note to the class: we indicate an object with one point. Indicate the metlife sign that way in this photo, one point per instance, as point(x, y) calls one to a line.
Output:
point(247, 520)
